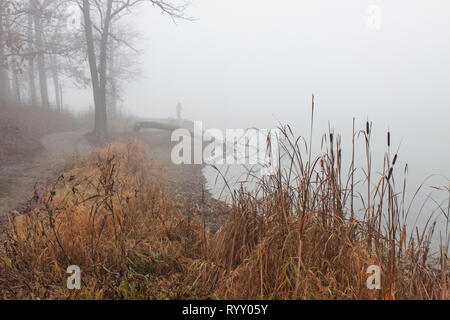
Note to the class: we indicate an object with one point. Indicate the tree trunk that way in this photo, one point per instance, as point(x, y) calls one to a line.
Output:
point(113, 97)
point(16, 87)
point(62, 97)
point(56, 82)
point(93, 67)
point(45, 103)
point(112, 83)
point(31, 79)
point(4, 79)
point(102, 72)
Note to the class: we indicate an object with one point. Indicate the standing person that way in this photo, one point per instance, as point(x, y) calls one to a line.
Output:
point(179, 111)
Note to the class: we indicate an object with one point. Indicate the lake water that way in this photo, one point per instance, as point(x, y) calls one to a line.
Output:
point(426, 203)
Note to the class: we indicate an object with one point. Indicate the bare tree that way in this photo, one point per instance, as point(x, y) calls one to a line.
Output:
point(31, 72)
point(10, 46)
point(107, 14)
point(39, 34)
point(16, 90)
point(122, 62)
point(32, 31)
point(4, 79)
point(56, 85)
point(47, 40)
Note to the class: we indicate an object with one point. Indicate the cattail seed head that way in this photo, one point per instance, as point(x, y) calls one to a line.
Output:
point(367, 127)
point(389, 139)
point(395, 160)
point(390, 173)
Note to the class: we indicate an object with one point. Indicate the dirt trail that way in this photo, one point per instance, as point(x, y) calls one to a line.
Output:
point(17, 181)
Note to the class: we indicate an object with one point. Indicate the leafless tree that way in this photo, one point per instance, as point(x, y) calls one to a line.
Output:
point(31, 72)
point(4, 80)
point(106, 13)
point(38, 13)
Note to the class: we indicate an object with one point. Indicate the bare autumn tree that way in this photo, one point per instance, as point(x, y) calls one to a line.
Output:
point(38, 15)
point(59, 44)
point(4, 79)
point(31, 73)
point(122, 62)
point(12, 13)
point(33, 31)
point(48, 39)
point(107, 12)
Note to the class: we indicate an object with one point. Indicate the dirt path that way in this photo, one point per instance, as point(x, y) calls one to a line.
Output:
point(17, 181)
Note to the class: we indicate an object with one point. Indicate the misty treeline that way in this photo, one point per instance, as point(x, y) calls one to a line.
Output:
point(46, 44)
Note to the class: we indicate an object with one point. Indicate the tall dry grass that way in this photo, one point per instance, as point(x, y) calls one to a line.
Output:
point(298, 236)
point(109, 216)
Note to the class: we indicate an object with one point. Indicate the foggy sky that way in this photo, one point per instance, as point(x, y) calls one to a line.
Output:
point(246, 63)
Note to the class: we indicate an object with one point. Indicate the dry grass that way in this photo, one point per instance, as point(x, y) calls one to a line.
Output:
point(296, 237)
point(110, 217)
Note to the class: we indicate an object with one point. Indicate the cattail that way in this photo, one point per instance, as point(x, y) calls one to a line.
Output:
point(390, 173)
point(367, 127)
point(389, 139)
point(395, 160)
point(331, 138)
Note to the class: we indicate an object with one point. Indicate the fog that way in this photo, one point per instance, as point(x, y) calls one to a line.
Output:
point(251, 63)
point(107, 165)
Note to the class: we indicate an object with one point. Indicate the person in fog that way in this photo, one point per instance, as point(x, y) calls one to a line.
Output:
point(179, 108)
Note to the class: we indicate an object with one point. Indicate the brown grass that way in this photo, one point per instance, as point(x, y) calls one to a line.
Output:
point(296, 237)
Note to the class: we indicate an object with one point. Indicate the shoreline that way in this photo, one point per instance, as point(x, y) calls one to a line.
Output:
point(186, 183)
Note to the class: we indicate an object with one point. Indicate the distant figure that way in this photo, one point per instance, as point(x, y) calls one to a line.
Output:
point(179, 111)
